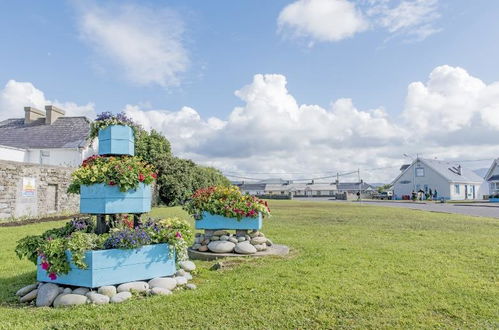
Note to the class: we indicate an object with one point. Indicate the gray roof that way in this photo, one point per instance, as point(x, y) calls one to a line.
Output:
point(353, 186)
point(448, 170)
point(65, 132)
point(494, 178)
point(252, 186)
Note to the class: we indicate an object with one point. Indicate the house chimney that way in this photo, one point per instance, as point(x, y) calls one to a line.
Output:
point(52, 114)
point(459, 170)
point(31, 114)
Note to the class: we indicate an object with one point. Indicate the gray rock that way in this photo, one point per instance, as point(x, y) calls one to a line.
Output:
point(157, 291)
point(258, 240)
point(107, 290)
point(196, 246)
point(260, 247)
point(241, 239)
point(120, 297)
point(61, 289)
point(214, 238)
point(139, 286)
point(180, 272)
point(198, 240)
point(30, 296)
point(254, 233)
point(47, 294)
point(241, 233)
point(82, 291)
point(248, 238)
point(244, 248)
point(221, 246)
point(203, 248)
point(233, 240)
point(187, 265)
point(188, 276)
point(168, 283)
point(67, 290)
point(269, 242)
point(191, 286)
point(224, 238)
point(69, 299)
point(97, 298)
point(205, 242)
point(27, 289)
point(221, 233)
point(181, 280)
point(208, 232)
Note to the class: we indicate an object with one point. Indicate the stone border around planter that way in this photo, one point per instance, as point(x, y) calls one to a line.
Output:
point(274, 250)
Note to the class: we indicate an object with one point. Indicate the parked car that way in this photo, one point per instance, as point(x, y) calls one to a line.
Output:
point(384, 195)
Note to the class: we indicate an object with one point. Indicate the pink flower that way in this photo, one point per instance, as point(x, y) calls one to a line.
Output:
point(45, 265)
point(178, 235)
point(52, 276)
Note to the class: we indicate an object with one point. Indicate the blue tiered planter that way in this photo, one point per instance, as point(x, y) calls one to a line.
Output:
point(116, 140)
point(109, 267)
point(211, 221)
point(105, 199)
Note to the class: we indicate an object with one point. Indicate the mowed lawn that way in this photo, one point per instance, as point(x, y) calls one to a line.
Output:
point(351, 266)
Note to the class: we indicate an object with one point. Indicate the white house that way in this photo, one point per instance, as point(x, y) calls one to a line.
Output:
point(492, 178)
point(46, 137)
point(450, 180)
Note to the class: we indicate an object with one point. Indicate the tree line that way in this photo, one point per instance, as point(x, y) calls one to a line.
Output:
point(177, 178)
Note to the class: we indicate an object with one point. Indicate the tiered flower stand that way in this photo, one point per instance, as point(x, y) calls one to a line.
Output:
point(108, 267)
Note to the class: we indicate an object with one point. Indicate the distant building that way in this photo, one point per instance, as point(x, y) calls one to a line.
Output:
point(492, 178)
point(350, 189)
point(45, 137)
point(449, 179)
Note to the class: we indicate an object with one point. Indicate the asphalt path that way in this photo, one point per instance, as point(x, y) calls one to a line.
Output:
point(479, 210)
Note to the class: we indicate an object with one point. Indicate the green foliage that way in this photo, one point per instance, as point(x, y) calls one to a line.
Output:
point(124, 171)
point(384, 188)
point(28, 247)
point(177, 178)
point(226, 201)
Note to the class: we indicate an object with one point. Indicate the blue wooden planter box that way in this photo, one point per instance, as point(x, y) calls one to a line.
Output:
point(210, 221)
point(116, 140)
point(110, 267)
point(494, 200)
point(105, 199)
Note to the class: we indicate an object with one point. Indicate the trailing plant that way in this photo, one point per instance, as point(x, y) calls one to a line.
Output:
point(226, 201)
point(123, 171)
point(107, 119)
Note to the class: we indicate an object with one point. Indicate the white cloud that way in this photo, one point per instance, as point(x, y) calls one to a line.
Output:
point(453, 116)
point(322, 20)
point(17, 95)
point(146, 43)
point(335, 20)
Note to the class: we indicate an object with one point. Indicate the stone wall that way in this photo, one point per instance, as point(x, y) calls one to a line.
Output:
point(33, 191)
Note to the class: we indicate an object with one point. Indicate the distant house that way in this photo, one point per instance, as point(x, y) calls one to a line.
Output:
point(449, 179)
point(350, 189)
point(45, 137)
point(492, 178)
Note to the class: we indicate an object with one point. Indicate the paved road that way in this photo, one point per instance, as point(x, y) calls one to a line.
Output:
point(468, 209)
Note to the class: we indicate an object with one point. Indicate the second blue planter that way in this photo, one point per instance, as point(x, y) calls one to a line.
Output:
point(105, 199)
point(211, 221)
point(116, 140)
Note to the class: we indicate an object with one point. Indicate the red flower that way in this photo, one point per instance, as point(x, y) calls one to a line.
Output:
point(154, 175)
point(141, 177)
point(111, 183)
point(178, 235)
point(45, 265)
point(52, 276)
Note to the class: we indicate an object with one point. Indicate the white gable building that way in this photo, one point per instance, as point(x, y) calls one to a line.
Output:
point(492, 178)
point(450, 180)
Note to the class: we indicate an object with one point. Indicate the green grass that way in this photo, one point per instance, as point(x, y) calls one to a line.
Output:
point(351, 266)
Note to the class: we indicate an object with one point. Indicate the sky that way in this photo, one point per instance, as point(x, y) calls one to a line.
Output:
point(281, 88)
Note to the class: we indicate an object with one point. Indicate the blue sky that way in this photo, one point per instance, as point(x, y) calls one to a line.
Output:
point(66, 50)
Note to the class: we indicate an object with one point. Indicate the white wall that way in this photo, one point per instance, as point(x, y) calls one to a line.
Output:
point(431, 178)
point(13, 154)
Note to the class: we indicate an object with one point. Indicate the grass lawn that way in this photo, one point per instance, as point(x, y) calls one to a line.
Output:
point(351, 266)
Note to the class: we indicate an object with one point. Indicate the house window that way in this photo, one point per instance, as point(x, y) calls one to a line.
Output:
point(419, 171)
point(457, 189)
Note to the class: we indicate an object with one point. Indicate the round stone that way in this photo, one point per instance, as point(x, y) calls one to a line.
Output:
point(203, 248)
point(27, 289)
point(82, 291)
point(180, 272)
point(168, 283)
point(221, 246)
point(181, 280)
point(67, 290)
point(241, 239)
point(206, 241)
point(260, 247)
point(69, 299)
point(157, 291)
point(188, 276)
point(120, 297)
point(269, 242)
point(258, 240)
point(244, 248)
point(97, 298)
point(220, 232)
point(196, 246)
point(254, 233)
point(107, 290)
point(224, 238)
point(191, 286)
point(47, 294)
point(215, 238)
point(187, 265)
point(139, 286)
point(30, 296)
point(233, 240)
